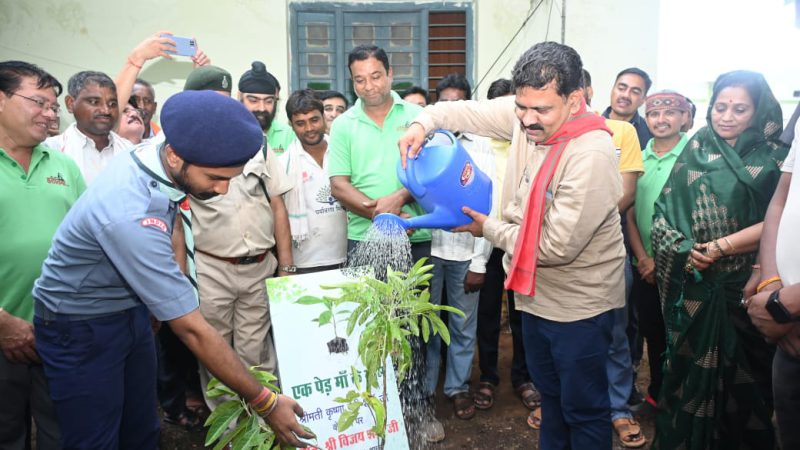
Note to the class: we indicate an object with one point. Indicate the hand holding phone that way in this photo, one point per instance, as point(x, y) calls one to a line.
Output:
point(183, 46)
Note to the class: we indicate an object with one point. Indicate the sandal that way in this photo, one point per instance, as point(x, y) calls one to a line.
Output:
point(535, 418)
point(185, 419)
point(484, 396)
point(530, 397)
point(464, 405)
point(629, 432)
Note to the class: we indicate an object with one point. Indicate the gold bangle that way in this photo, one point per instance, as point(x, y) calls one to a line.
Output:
point(727, 241)
point(766, 283)
point(715, 243)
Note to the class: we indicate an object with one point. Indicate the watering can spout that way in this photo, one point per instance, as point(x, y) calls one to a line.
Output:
point(388, 223)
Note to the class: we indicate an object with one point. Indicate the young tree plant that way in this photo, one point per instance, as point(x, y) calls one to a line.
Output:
point(391, 311)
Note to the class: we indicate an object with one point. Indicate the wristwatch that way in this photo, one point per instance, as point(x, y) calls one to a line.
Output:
point(288, 269)
point(776, 308)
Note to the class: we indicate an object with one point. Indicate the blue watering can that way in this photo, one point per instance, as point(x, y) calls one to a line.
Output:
point(442, 179)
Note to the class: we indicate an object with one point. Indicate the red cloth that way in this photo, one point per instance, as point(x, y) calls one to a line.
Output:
point(522, 274)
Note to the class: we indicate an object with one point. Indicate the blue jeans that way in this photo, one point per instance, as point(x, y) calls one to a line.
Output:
point(463, 330)
point(619, 367)
point(567, 361)
point(102, 376)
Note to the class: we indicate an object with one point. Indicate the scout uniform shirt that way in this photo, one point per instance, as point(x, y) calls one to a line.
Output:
point(113, 251)
point(240, 223)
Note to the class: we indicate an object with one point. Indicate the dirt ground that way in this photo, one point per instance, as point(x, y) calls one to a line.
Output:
point(503, 426)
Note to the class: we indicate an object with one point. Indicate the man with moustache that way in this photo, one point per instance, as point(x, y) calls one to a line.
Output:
point(90, 141)
point(317, 220)
point(234, 237)
point(666, 112)
point(363, 170)
point(628, 94)
point(262, 98)
point(112, 263)
point(560, 230)
point(38, 186)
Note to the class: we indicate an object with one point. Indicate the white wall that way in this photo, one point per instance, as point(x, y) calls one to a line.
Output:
point(66, 36)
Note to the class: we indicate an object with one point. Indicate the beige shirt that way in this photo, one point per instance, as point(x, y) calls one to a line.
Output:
point(581, 254)
point(240, 223)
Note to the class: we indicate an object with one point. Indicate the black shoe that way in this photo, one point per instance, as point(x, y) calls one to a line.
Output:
point(636, 397)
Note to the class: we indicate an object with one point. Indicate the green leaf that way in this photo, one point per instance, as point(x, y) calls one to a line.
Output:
point(426, 331)
point(230, 436)
point(349, 415)
point(325, 318)
point(451, 309)
point(218, 389)
point(219, 420)
point(249, 437)
point(380, 413)
point(309, 300)
point(263, 376)
point(356, 377)
point(440, 327)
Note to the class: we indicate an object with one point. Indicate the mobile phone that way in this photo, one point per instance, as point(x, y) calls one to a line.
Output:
point(183, 46)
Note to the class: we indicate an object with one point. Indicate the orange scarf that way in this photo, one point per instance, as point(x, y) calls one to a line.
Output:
point(522, 274)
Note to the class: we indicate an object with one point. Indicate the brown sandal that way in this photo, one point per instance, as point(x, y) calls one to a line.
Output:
point(535, 418)
point(629, 432)
point(484, 396)
point(463, 405)
point(530, 397)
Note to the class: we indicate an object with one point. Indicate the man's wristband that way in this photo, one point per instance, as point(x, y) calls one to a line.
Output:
point(288, 268)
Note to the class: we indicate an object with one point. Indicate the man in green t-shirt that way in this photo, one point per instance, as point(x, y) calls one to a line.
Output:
point(363, 150)
point(666, 112)
point(38, 185)
point(362, 164)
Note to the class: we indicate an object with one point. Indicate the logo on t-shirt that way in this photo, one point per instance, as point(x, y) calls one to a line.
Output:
point(154, 222)
point(324, 196)
point(58, 179)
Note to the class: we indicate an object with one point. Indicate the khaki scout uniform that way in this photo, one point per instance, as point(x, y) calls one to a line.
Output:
point(233, 236)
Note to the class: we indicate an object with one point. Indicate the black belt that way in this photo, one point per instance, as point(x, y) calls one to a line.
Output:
point(237, 260)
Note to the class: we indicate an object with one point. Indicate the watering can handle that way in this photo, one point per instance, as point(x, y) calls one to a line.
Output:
point(447, 133)
point(417, 190)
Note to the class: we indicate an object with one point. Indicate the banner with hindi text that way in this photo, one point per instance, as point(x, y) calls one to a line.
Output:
point(315, 364)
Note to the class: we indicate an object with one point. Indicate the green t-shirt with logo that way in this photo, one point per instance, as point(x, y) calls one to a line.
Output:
point(368, 154)
point(34, 204)
point(279, 136)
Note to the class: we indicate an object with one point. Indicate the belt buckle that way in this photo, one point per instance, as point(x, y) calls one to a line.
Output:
point(248, 259)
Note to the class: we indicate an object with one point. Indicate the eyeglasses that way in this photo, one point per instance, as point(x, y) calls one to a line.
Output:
point(42, 104)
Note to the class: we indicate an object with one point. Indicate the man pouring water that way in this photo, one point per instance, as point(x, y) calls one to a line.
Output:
point(560, 231)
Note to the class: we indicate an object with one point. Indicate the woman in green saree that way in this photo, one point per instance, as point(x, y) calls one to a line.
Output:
point(717, 390)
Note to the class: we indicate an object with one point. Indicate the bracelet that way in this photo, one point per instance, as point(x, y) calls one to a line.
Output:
point(263, 395)
point(727, 241)
point(756, 266)
point(266, 409)
point(715, 243)
point(130, 61)
point(274, 406)
point(766, 283)
point(262, 408)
